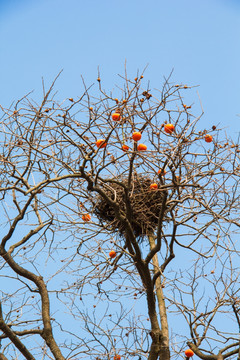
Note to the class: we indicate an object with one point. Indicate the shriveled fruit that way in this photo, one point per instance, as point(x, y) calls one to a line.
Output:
point(101, 143)
point(169, 128)
point(142, 147)
point(136, 136)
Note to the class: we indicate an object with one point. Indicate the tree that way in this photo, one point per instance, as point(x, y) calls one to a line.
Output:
point(109, 249)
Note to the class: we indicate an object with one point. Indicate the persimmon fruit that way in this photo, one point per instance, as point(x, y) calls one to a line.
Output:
point(117, 357)
point(208, 138)
point(162, 172)
point(86, 217)
point(169, 128)
point(142, 147)
point(136, 136)
point(112, 254)
point(189, 353)
point(116, 116)
point(101, 143)
point(125, 148)
point(153, 186)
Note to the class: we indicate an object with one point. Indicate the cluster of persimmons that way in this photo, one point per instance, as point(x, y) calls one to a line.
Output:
point(136, 136)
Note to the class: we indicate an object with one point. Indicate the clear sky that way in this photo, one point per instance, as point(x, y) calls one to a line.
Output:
point(200, 40)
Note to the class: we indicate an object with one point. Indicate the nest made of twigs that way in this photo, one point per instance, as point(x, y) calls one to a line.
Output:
point(145, 204)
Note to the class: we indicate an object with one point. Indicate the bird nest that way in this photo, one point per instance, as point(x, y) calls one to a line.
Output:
point(145, 205)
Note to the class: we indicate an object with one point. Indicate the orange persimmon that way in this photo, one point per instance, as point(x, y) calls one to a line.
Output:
point(116, 116)
point(208, 138)
point(86, 217)
point(117, 357)
point(153, 186)
point(169, 128)
point(189, 353)
point(162, 172)
point(136, 135)
point(101, 143)
point(125, 148)
point(112, 254)
point(142, 147)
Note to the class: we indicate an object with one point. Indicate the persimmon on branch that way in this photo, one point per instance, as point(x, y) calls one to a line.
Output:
point(102, 197)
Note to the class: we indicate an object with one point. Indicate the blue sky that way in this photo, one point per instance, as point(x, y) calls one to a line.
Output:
point(200, 40)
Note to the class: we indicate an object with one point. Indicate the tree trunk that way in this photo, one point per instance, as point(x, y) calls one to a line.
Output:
point(164, 353)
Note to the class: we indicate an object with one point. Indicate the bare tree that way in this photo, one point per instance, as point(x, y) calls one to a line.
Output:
point(113, 247)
